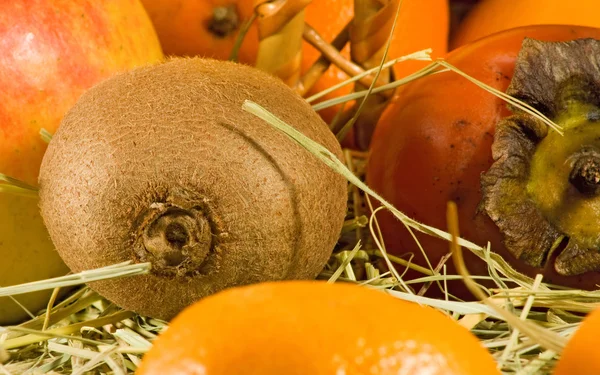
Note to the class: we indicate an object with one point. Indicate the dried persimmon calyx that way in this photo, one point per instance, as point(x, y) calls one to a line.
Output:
point(543, 188)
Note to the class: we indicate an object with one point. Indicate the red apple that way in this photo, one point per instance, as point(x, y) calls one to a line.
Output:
point(51, 51)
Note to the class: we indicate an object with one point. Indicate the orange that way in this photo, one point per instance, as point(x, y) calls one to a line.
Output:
point(491, 16)
point(192, 27)
point(421, 24)
point(203, 27)
point(328, 17)
point(312, 327)
point(580, 356)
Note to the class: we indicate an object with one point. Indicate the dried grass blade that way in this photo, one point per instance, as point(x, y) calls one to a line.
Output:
point(344, 264)
point(65, 332)
point(119, 270)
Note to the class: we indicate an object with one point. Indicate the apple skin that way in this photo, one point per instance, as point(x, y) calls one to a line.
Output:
point(51, 51)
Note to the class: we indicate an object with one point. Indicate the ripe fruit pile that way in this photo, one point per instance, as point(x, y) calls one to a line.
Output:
point(153, 159)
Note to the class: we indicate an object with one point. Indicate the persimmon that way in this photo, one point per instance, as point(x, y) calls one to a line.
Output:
point(210, 28)
point(438, 136)
point(491, 16)
point(580, 355)
point(313, 327)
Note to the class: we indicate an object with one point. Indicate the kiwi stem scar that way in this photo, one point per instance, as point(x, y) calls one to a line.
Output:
point(176, 239)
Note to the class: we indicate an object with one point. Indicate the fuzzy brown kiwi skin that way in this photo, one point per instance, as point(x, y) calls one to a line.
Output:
point(167, 148)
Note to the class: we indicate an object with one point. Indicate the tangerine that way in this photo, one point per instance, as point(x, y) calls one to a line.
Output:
point(313, 327)
point(580, 355)
point(204, 27)
point(491, 16)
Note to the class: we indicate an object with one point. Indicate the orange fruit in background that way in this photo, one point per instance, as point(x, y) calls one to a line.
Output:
point(490, 16)
point(328, 17)
point(210, 27)
point(580, 355)
point(203, 27)
point(312, 327)
point(192, 27)
point(187, 28)
point(421, 24)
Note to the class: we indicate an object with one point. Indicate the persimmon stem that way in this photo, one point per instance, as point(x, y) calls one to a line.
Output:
point(240, 38)
point(225, 20)
point(585, 175)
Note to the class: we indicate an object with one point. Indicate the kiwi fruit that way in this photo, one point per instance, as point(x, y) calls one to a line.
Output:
point(161, 164)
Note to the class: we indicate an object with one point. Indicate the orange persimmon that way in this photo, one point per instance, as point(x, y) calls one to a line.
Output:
point(435, 140)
